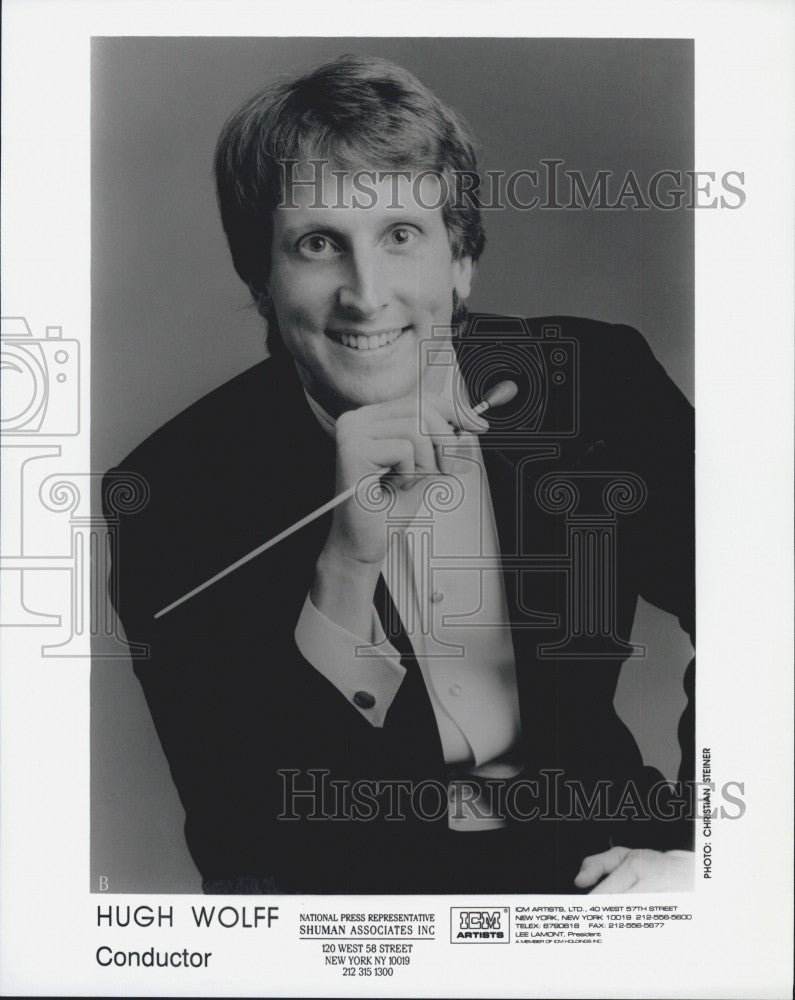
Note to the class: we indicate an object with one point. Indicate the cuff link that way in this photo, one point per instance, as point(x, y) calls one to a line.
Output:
point(363, 699)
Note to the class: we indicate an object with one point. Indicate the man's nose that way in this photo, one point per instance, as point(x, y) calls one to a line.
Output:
point(363, 288)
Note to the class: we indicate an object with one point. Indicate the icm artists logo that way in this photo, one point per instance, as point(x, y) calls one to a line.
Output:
point(491, 925)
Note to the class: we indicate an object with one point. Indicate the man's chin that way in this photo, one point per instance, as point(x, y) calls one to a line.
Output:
point(372, 394)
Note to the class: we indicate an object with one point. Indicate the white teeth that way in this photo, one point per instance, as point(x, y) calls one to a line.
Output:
point(371, 343)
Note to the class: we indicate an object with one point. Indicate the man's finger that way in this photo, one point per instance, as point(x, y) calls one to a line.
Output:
point(442, 435)
point(459, 414)
point(434, 438)
point(397, 455)
point(621, 880)
point(420, 438)
point(456, 410)
point(598, 865)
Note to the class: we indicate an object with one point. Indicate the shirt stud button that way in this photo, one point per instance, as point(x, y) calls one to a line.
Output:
point(437, 596)
point(455, 690)
point(363, 699)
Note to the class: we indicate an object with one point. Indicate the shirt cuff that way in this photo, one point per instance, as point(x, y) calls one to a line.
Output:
point(367, 675)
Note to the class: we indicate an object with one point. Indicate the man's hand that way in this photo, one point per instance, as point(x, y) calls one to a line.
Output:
point(623, 869)
point(389, 441)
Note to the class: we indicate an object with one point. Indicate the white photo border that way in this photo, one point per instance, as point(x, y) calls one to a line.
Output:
point(739, 941)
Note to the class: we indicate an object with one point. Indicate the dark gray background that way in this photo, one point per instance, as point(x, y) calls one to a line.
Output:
point(171, 320)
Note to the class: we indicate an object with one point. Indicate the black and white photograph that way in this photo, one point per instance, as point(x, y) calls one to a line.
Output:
point(376, 410)
point(428, 671)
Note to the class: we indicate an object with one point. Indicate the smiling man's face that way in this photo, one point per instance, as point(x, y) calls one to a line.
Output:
point(355, 286)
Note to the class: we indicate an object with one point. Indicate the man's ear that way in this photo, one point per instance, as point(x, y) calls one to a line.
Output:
point(463, 273)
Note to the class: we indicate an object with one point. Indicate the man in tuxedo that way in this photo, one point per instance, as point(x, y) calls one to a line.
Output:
point(413, 692)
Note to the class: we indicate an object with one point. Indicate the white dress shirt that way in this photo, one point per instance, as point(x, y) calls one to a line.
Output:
point(442, 572)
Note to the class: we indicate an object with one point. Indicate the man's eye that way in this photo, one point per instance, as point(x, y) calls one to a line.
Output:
point(403, 236)
point(316, 245)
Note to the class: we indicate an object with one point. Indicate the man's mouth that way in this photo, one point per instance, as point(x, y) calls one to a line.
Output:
point(367, 341)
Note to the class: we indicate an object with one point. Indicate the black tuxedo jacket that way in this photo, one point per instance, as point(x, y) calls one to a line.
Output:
point(246, 722)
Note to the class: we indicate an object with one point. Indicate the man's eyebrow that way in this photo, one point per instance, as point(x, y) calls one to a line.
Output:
point(309, 226)
point(299, 229)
